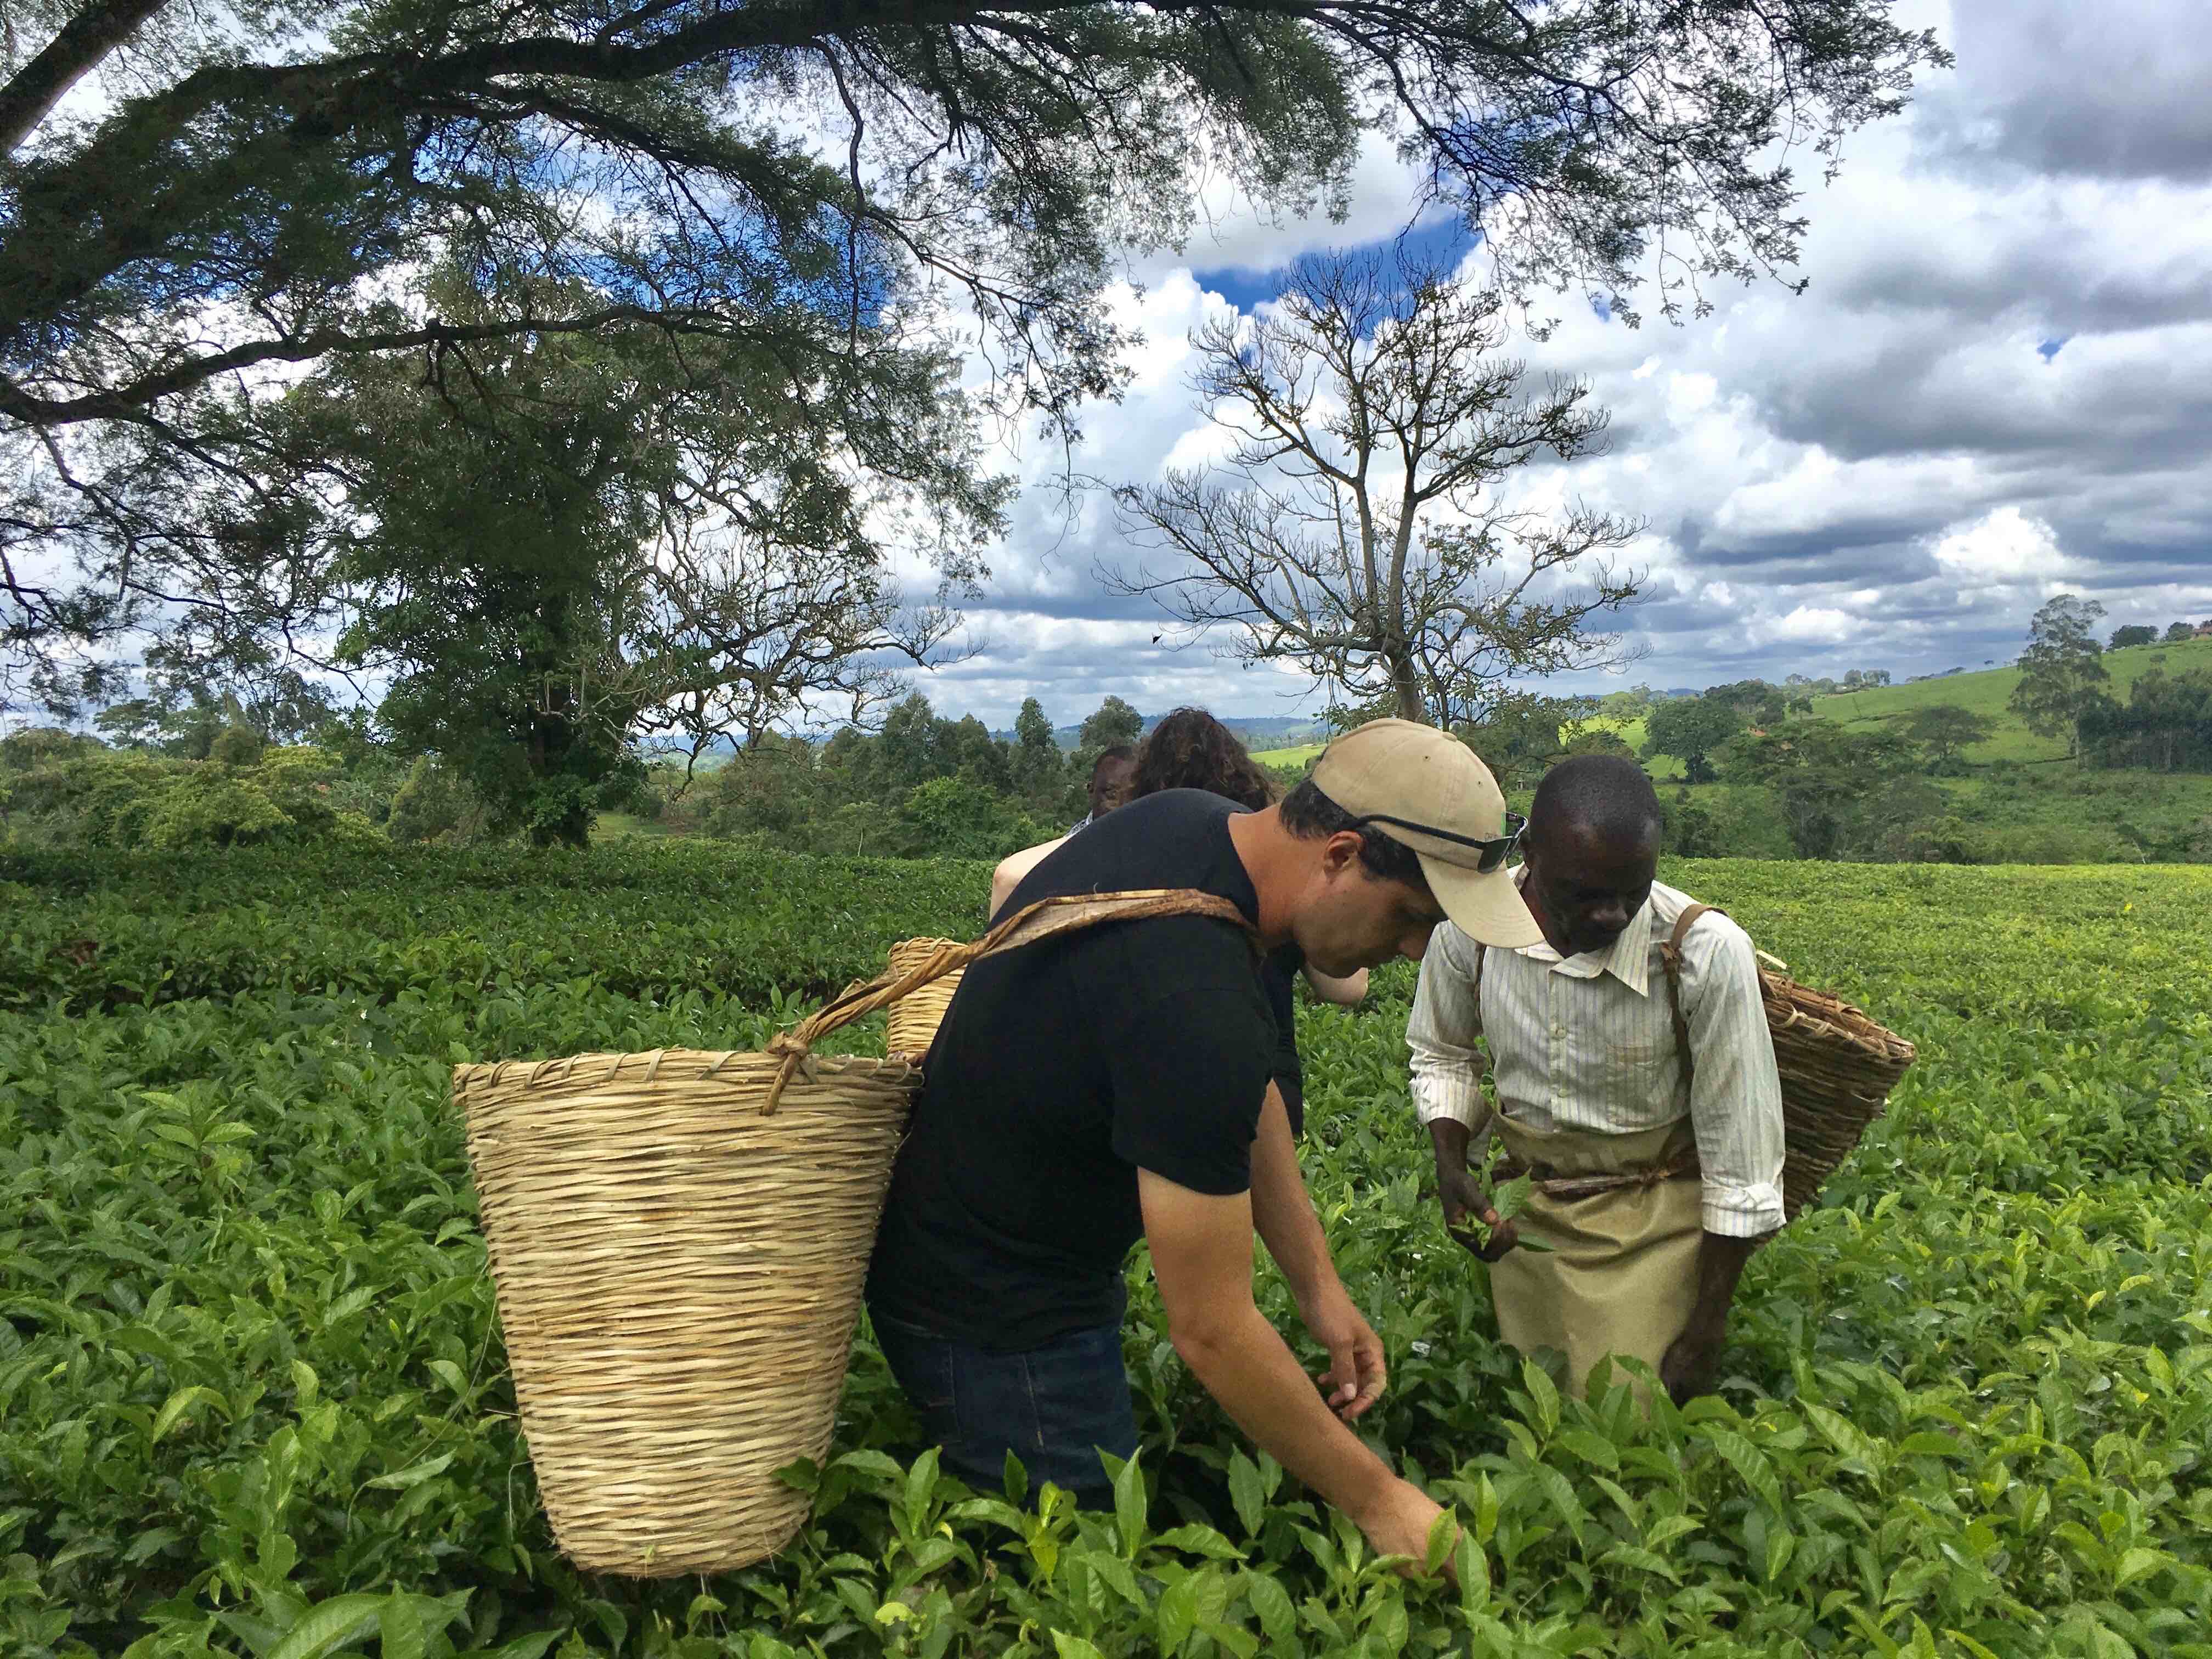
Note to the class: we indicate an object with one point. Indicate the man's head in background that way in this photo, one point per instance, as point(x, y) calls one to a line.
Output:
point(1111, 776)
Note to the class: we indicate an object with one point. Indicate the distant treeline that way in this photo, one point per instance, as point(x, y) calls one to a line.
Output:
point(1773, 780)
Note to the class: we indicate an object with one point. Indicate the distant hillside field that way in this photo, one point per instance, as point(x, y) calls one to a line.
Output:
point(1986, 693)
point(1660, 767)
point(1297, 756)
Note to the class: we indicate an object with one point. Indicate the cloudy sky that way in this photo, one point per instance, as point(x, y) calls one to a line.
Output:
point(1998, 386)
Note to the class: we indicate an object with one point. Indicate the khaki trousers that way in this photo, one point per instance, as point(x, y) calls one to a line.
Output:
point(1621, 1276)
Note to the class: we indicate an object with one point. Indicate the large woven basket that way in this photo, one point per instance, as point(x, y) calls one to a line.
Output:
point(1837, 1066)
point(679, 1241)
point(914, 1019)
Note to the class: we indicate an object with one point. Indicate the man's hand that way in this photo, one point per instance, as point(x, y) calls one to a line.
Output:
point(1399, 1522)
point(1202, 1261)
point(1692, 1363)
point(1464, 1198)
point(1462, 1195)
point(1356, 1375)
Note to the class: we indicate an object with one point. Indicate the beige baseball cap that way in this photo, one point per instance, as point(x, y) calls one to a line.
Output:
point(1427, 790)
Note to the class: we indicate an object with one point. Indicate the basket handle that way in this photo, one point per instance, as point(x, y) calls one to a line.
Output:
point(1047, 918)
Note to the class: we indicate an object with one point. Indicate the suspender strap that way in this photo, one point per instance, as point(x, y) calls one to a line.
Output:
point(1670, 958)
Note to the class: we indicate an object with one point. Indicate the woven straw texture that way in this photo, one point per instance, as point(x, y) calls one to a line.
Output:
point(1837, 1067)
point(914, 1017)
point(678, 1276)
point(679, 1240)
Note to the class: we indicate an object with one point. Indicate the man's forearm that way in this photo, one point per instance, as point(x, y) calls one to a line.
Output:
point(1247, 1366)
point(1721, 1261)
point(1282, 1210)
point(1450, 1138)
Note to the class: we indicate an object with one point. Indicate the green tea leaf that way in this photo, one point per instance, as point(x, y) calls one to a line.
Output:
point(1175, 1616)
point(1130, 1506)
point(183, 1400)
point(1271, 1604)
point(1511, 1199)
point(1244, 1492)
point(401, 1626)
point(331, 1624)
point(414, 1475)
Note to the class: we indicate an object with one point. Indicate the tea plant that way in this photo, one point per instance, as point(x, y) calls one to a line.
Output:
point(252, 1400)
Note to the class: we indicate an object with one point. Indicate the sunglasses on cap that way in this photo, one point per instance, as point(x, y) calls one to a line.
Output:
point(1493, 851)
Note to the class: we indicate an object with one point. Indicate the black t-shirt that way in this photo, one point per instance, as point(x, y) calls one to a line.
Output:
point(1063, 1068)
point(1279, 977)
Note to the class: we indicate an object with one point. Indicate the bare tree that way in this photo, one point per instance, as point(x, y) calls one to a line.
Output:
point(1355, 527)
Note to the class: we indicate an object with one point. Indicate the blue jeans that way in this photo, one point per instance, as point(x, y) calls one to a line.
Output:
point(1054, 1407)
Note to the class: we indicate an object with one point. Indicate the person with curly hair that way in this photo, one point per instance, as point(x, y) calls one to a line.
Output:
point(1189, 749)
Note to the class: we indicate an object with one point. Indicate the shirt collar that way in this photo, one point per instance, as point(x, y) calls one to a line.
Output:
point(1628, 958)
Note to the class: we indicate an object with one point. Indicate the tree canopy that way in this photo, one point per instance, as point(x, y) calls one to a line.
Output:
point(1690, 729)
point(2063, 669)
point(1942, 729)
point(252, 191)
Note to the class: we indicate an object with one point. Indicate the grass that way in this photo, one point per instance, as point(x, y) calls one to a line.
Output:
point(1298, 756)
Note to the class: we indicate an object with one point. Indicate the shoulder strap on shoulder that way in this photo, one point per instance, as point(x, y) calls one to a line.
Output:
point(1682, 924)
point(1670, 958)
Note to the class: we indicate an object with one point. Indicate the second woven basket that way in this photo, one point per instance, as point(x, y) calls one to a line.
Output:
point(911, 1025)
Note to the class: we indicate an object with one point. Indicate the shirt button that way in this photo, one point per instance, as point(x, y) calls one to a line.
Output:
point(1559, 1030)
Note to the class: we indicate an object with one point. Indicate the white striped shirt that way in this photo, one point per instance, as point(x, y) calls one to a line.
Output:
point(1588, 1043)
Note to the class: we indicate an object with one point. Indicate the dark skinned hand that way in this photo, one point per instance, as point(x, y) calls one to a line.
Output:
point(1464, 1199)
point(1692, 1365)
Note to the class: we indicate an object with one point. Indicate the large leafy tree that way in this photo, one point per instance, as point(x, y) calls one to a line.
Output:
point(1039, 770)
point(1691, 729)
point(1838, 791)
point(249, 189)
point(1355, 526)
point(1522, 737)
point(2062, 670)
point(1943, 730)
point(577, 538)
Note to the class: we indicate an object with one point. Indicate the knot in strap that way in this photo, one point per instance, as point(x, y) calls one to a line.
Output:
point(793, 1050)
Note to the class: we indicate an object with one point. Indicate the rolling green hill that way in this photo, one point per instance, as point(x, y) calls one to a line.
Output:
point(1988, 692)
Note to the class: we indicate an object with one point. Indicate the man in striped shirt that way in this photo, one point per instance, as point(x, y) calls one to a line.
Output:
point(1654, 1179)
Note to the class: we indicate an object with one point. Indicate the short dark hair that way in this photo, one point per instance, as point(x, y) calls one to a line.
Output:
point(1311, 816)
point(1606, 795)
point(1108, 790)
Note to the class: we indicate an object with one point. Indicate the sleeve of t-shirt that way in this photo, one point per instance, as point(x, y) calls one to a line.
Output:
point(1189, 1072)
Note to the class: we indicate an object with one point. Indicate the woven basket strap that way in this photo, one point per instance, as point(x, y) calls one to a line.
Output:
point(1047, 918)
point(1670, 958)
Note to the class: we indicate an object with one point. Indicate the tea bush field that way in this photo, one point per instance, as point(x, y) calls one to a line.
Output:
point(252, 1400)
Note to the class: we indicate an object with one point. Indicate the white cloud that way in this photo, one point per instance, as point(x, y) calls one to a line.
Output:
point(2003, 548)
point(1996, 385)
point(1823, 624)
